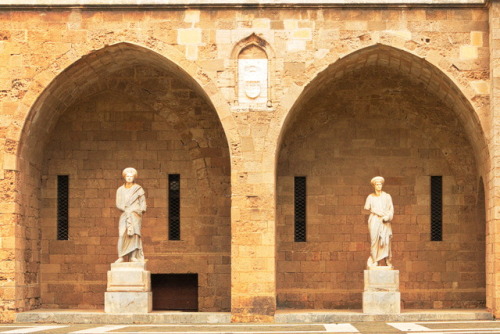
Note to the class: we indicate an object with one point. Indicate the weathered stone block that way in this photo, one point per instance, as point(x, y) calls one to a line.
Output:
point(468, 52)
point(192, 16)
point(381, 279)
point(129, 280)
point(189, 36)
point(129, 288)
point(381, 295)
point(128, 302)
point(381, 302)
point(476, 38)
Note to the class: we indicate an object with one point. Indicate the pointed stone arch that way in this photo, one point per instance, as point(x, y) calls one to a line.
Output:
point(416, 72)
point(418, 69)
point(88, 77)
point(89, 69)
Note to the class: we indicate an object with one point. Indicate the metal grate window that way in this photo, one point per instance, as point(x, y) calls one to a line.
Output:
point(436, 208)
point(174, 207)
point(300, 208)
point(62, 207)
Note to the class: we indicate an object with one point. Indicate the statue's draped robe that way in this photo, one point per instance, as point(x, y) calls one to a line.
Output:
point(133, 203)
point(380, 231)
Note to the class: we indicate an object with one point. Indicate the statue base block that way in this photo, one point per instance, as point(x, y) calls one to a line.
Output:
point(129, 289)
point(381, 302)
point(381, 295)
point(129, 276)
point(128, 302)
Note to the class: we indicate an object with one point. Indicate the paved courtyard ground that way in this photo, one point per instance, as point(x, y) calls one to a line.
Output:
point(454, 327)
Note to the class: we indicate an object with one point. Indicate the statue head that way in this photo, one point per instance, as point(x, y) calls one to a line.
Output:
point(129, 174)
point(377, 182)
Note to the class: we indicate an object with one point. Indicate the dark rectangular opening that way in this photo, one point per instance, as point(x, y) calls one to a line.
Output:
point(177, 292)
point(436, 208)
point(174, 207)
point(300, 208)
point(62, 207)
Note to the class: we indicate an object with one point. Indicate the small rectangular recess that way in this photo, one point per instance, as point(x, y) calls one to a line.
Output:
point(174, 207)
point(300, 205)
point(436, 208)
point(62, 207)
point(177, 292)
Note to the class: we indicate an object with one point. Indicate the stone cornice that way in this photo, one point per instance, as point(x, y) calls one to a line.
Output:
point(111, 4)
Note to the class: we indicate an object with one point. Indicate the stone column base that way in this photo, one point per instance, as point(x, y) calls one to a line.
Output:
point(128, 302)
point(381, 295)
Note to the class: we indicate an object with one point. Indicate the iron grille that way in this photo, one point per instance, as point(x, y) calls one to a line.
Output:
point(174, 207)
point(300, 208)
point(436, 208)
point(62, 207)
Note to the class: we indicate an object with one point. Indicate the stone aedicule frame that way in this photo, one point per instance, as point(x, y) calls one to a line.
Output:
point(266, 58)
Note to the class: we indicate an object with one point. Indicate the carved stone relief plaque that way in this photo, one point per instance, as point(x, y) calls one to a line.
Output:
point(252, 82)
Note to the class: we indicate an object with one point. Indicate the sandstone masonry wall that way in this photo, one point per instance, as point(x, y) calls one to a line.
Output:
point(450, 60)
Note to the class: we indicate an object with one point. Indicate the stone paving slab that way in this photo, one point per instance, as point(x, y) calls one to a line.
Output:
point(450, 327)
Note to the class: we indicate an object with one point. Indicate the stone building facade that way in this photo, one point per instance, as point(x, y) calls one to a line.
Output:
point(240, 99)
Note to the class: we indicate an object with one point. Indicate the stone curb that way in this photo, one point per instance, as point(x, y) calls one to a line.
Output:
point(282, 317)
point(76, 317)
point(430, 315)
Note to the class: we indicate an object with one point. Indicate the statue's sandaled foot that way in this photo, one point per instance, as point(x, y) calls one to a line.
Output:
point(134, 259)
point(120, 260)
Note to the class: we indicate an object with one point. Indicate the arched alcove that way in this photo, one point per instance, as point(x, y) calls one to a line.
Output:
point(122, 106)
point(381, 111)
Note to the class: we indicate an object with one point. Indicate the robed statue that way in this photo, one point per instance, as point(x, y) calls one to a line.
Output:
point(379, 204)
point(130, 198)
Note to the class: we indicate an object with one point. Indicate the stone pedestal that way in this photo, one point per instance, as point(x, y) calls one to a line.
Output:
point(129, 289)
point(381, 294)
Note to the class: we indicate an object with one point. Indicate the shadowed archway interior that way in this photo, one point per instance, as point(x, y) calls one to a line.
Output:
point(123, 106)
point(381, 111)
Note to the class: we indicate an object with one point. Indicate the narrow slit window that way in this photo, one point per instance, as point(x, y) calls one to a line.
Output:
point(436, 208)
point(174, 207)
point(62, 207)
point(300, 208)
